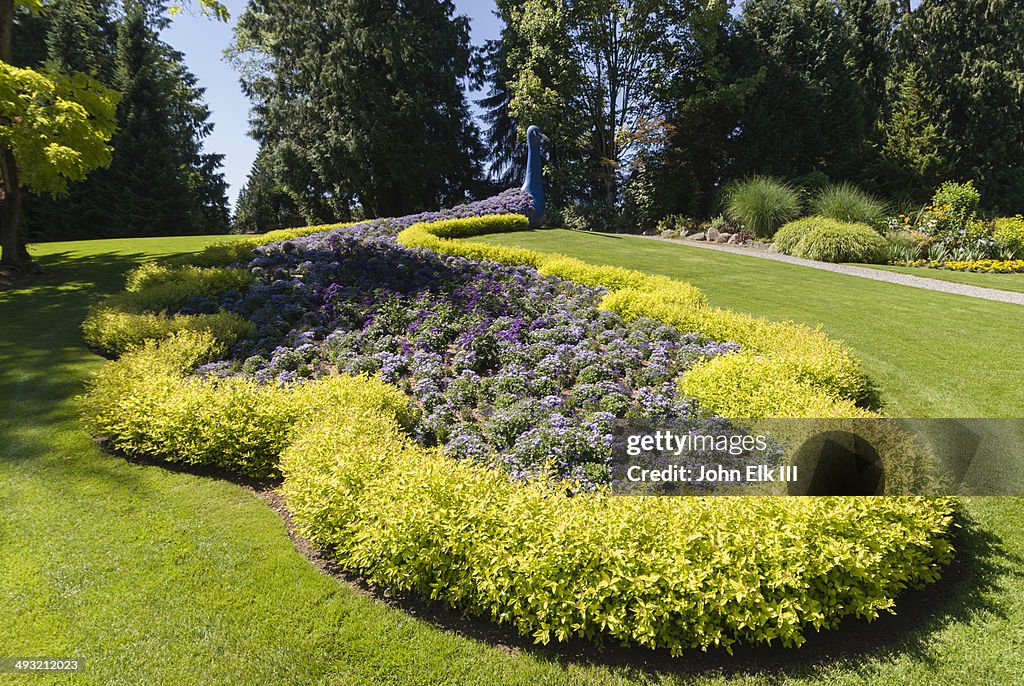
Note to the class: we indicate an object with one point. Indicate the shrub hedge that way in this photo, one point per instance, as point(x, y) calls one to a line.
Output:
point(1010, 231)
point(829, 240)
point(113, 331)
point(659, 572)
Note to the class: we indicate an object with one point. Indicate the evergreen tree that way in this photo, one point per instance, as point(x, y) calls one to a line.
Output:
point(79, 37)
point(913, 150)
point(508, 163)
point(811, 111)
point(144, 182)
point(160, 180)
point(360, 102)
point(263, 203)
point(971, 58)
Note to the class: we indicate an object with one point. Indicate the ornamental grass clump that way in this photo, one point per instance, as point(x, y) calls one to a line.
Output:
point(846, 203)
point(761, 204)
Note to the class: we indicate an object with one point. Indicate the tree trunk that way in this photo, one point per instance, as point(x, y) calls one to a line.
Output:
point(14, 252)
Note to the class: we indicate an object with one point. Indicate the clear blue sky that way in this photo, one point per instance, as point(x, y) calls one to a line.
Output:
point(203, 42)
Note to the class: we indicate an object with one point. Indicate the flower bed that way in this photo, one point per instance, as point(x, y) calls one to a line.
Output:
point(525, 364)
point(501, 360)
point(983, 266)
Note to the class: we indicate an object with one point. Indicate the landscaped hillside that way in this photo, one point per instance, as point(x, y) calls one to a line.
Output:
point(131, 532)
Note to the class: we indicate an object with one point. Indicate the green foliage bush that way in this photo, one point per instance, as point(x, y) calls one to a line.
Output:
point(847, 203)
point(1010, 232)
point(154, 287)
point(829, 240)
point(148, 404)
point(744, 384)
point(114, 331)
point(958, 201)
point(761, 204)
point(658, 572)
point(903, 247)
point(787, 237)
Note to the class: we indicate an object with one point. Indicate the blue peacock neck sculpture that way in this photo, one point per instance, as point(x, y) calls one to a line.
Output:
point(534, 183)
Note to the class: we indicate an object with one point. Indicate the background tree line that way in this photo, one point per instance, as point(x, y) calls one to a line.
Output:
point(651, 105)
point(159, 180)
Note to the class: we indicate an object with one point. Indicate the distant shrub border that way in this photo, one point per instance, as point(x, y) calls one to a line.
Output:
point(554, 567)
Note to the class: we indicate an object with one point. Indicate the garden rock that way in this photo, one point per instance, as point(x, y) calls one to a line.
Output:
point(735, 239)
point(722, 238)
point(699, 236)
point(713, 234)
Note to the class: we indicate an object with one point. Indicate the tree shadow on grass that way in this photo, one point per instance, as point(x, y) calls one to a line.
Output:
point(43, 360)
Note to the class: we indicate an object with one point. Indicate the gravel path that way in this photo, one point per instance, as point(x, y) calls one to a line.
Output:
point(863, 272)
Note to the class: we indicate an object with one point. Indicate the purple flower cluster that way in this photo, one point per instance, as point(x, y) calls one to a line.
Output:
point(506, 366)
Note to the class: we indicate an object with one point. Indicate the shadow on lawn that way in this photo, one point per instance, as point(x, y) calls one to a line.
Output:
point(41, 345)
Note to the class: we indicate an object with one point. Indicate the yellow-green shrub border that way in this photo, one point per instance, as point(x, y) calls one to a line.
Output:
point(670, 573)
point(148, 403)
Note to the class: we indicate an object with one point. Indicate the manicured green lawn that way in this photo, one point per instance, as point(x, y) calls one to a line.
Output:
point(160, 577)
point(931, 354)
point(1005, 282)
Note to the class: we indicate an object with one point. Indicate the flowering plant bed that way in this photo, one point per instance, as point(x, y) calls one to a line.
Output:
point(984, 266)
point(487, 357)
